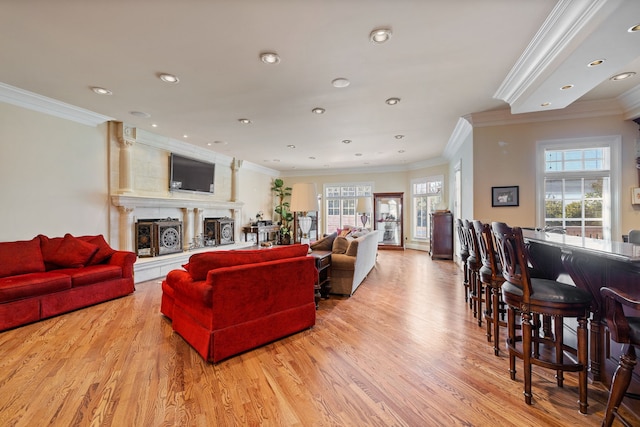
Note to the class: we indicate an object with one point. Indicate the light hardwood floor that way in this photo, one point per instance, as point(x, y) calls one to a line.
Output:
point(404, 350)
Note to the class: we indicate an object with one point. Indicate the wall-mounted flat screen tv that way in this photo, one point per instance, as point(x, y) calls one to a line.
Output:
point(187, 174)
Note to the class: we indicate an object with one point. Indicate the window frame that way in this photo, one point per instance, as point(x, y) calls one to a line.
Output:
point(414, 213)
point(614, 142)
point(341, 198)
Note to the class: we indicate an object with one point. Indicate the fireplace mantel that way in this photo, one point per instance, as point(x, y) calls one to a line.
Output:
point(132, 202)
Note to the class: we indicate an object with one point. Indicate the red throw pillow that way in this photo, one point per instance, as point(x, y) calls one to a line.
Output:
point(104, 250)
point(73, 252)
point(20, 257)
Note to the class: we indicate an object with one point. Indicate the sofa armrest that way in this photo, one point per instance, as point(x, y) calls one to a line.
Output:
point(124, 260)
point(188, 290)
point(342, 262)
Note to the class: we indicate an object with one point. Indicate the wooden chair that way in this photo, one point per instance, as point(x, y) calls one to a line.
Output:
point(464, 255)
point(491, 276)
point(473, 265)
point(624, 330)
point(529, 297)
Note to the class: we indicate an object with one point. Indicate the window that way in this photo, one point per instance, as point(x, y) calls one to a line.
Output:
point(577, 186)
point(341, 200)
point(426, 195)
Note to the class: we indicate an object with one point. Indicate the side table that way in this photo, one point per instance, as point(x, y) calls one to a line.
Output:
point(323, 284)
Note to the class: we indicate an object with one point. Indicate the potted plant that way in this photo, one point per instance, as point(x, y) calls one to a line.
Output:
point(282, 209)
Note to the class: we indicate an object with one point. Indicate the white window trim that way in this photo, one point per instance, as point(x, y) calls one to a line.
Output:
point(412, 213)
point(614, 142)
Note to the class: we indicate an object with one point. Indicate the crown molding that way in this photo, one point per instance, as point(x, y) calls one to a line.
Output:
point(578, 110)
point(461, 132)
point(32, 101)
point(630, 100)
point(373, 169)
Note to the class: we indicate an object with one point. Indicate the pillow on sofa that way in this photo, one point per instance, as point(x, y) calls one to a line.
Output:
point(73, 252)
point(352, 250)
point(200, 264)
point(49, 246)
point(104, 250)
point(324, 244)
point(340, 245)
point(21, 257)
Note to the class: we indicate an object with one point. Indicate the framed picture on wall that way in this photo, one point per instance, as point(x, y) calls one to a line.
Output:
point(505, 196)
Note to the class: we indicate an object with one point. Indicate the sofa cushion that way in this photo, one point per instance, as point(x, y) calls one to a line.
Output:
point(49, 246)
point(21, 257)
point(352, 250)
point(200, 264)
point(104, 250)
point(324, 244)
point(32, 285)
point(340, 245)
point(73, 252)
point(92, 274)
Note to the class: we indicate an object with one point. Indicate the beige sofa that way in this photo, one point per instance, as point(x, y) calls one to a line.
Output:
point(349, 269)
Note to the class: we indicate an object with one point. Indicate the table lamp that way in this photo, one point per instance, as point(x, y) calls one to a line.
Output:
point(364, 207)
point(304, 198)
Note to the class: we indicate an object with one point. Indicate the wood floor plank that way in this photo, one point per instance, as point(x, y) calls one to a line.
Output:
point(404, 350)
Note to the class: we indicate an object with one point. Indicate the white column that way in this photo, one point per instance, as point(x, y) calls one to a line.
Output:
point(198, 217)
point(187, 227)
point(235, 180)
point(126, 229)
point(126, 138)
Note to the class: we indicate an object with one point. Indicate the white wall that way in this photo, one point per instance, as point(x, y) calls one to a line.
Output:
point(53, 176)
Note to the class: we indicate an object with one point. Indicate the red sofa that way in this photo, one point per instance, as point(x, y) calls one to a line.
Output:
point(227, 302)
point(44, 277)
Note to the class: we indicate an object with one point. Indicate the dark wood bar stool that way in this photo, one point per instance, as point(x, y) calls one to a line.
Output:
point(529, 298)
point(491, 276)
point(464, 255)
point(624, 329)
point(473, 265)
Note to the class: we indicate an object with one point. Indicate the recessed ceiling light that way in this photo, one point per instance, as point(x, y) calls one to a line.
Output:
point(400, 151)
point(565, 87)
point(141, 114)
point(270, 58)
point(346, 141)
point(168, 78)
point(318, 110)
point(220, 142)
point(380, 35)
point(622, 76)
point(340, 82)
point(595, 63)
point(154, 125)
point(392, 101)
point(358, 154)
point(185, 136)
point(634, 28)
point(312, 158)
point(545, 104)
point(399, 136)
point(244, 121)
point(291, 146)
point(101, 91)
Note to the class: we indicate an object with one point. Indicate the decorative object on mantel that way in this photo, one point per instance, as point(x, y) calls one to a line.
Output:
point(219, 231)
point(304, 198)
point(364, 207)
point(282, 209)
point(158, 237)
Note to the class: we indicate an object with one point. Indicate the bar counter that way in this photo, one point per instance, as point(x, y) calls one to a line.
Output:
point(590, 264)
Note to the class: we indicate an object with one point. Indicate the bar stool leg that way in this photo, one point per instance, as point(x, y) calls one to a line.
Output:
point(583, 358)
point(526, 354)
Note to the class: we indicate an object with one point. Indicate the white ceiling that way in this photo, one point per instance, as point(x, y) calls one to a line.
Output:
point(446, 59)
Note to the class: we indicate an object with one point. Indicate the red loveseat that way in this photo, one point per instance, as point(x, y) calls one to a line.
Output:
point(227, 302)
point(44, 277)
